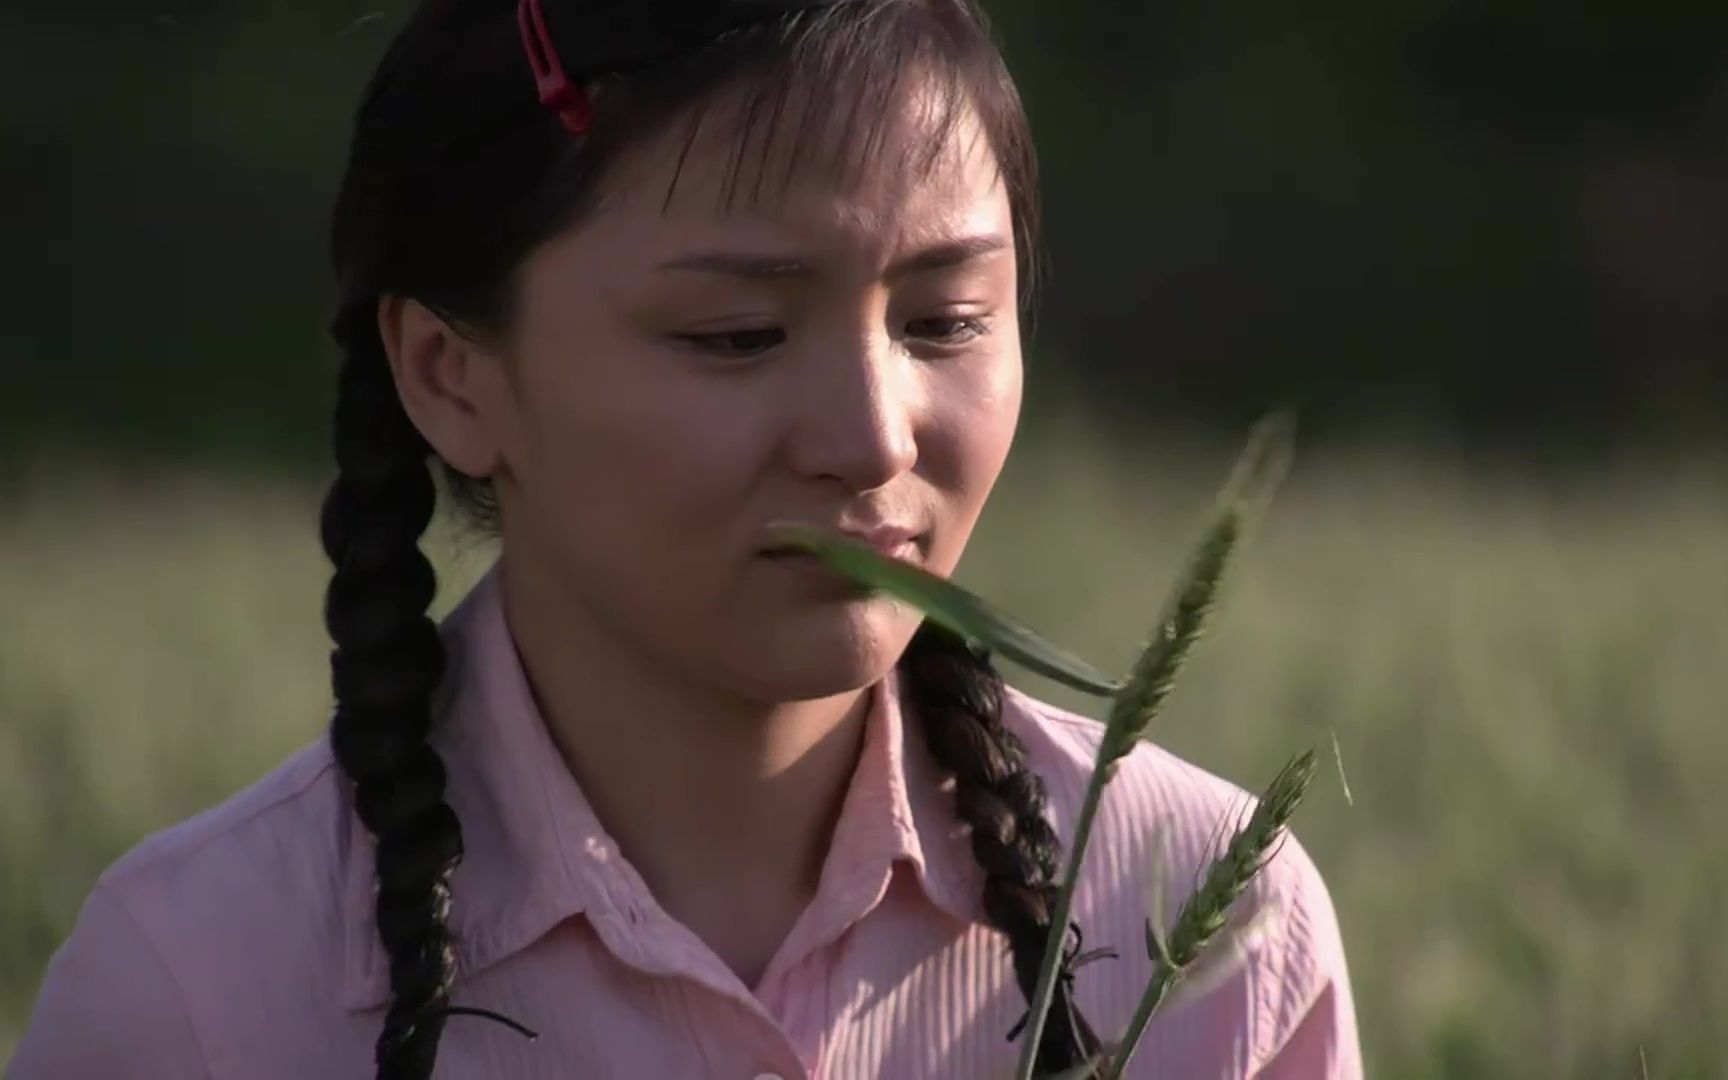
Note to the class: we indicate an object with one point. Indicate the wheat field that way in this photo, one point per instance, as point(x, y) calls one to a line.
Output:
point(1527, 678)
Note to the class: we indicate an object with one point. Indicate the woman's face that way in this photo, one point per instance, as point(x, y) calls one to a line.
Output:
point(679, 375)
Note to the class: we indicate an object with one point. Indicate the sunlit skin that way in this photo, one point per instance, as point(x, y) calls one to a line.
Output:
point(674, 379)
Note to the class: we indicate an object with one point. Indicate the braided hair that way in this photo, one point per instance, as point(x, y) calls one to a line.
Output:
point(958, 697)
point(385, 668)
point(455, 173)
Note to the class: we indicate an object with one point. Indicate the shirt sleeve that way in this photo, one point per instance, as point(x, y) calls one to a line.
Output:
point(1317, 1036)
point(1323, 1045)
point(109, 1006)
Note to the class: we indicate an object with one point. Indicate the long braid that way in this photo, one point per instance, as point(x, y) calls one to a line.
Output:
point(957, 695)
point(385, 668)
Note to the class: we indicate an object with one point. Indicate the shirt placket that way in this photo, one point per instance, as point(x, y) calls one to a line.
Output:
point(640, 934)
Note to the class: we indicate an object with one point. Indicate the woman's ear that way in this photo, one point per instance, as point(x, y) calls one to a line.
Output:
point(442, 378)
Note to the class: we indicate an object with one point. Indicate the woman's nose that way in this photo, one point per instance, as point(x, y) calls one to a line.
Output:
point(857, 407)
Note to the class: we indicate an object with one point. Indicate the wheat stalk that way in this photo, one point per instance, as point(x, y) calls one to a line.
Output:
point(1258, 471)
point(1206, 912)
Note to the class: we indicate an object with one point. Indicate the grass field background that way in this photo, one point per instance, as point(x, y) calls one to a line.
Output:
point(1527, 677)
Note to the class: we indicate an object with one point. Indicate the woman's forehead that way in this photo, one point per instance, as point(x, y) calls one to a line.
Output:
point(912, 174)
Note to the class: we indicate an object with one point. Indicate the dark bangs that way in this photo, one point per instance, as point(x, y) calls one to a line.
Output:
point(456, 172)
point(821, 90)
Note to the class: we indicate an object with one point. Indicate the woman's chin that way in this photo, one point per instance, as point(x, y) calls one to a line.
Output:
point(831, 650)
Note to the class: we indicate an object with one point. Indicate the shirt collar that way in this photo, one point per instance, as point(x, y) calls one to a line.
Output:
point(535, 854)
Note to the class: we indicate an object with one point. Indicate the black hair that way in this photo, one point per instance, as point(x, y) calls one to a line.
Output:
point(455, 173)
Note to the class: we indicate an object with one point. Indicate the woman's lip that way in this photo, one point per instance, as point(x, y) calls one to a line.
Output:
point(904, 550)
point(801, 566)
point(887, 540)
point(893, 547)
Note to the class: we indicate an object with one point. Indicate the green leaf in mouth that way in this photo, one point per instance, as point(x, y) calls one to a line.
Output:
point(963, 612)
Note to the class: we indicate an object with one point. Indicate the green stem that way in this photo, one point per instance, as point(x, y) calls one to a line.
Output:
point(1059, 919)
point(1156, 991)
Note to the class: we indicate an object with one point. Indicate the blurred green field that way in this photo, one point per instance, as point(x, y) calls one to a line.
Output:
point(1528, 681)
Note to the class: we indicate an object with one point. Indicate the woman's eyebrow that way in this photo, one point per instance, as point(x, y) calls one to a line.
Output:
point(771, 267)
point(945, 255)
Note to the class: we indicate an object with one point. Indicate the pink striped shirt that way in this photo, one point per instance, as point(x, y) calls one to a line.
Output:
point(240, 944)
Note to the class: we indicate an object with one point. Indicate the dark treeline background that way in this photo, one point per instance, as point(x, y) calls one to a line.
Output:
point(1504, 217)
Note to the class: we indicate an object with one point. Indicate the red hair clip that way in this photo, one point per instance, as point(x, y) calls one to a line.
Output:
point(557, 92)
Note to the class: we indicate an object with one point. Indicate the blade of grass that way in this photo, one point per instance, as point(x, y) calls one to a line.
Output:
point(952, 606)
point(1343, 781)
point(1160, 880)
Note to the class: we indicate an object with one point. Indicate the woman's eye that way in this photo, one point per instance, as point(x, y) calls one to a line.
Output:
point(948, 329)
point(738, 342)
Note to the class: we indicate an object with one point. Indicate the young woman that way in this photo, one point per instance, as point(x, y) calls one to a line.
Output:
point(644, 277)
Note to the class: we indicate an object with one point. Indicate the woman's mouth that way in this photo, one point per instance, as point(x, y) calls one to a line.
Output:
point(891, 541)
point(904, 550)
point(815, 572)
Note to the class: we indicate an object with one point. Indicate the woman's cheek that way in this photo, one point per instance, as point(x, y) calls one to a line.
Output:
point(670, 468)
point(973, 429)
point(981, 411)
